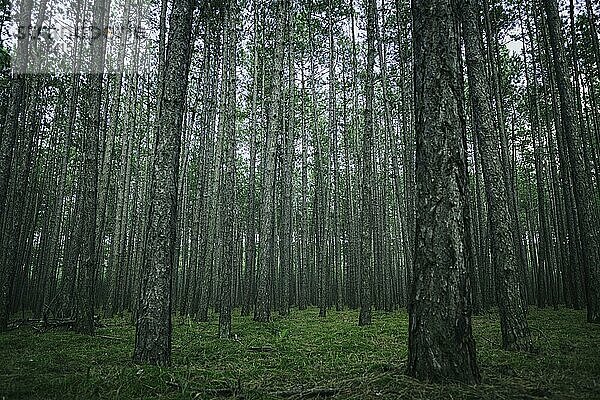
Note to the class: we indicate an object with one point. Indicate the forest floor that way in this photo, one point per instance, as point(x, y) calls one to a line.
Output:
point(298, 356)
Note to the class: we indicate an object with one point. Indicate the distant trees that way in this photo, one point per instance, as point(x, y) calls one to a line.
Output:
point(266, 157)
point(580, 173)
point(10, 135)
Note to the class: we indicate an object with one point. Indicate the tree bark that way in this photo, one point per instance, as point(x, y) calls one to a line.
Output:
point(262, 312)
point(153, 319)
point(515, 330)
point(581, 186)
point(7, 146)
point(228, 192)
point(440, 295)
point(367, 217)
point(93, 102)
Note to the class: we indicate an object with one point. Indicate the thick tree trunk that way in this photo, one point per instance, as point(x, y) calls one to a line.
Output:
point(440, 342)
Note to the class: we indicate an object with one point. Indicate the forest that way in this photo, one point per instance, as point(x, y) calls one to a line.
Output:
point(291, 199)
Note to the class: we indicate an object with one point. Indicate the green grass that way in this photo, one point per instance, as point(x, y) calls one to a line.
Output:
point(303, 352)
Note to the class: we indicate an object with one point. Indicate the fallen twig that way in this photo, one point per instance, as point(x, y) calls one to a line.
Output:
point(59, 322)
point(540, 331)
point(218, 392)
point(488, 340)
point(306, 394)
point(261, 349)
point(109, 337)
point(14, 326)
point(221, 392)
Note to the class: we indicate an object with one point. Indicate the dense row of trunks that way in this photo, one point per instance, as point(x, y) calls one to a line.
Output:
point(324, 154)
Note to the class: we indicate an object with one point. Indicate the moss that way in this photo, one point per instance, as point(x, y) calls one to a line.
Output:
point(295, 352)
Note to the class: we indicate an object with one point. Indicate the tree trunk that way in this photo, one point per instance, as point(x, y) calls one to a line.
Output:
point(93, 98)
point(367, 217)
point(440, 296)
point(262, 312)
point(153, 320)
point(228, 203)
point(7, 145)
point(581, 186)
point(249, 272)
point(515, 331)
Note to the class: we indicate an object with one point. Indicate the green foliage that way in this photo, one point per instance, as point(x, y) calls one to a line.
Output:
point(299, 352)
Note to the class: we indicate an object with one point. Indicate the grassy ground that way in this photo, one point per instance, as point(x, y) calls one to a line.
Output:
point(297, 353)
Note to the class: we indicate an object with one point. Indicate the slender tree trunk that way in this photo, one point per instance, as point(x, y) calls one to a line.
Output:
point(509, 180)
point(305, 230)
point(228, 193)
point(287, 172)
point(532, 86)
point(153, 320)
point(262, 312)
point(515, 330)
point(581, 185)
point(93, 98)
point(7, 147)
point(367, 214)
point(249, 272)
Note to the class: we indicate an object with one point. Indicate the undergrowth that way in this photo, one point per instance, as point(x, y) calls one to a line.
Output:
point(292, 355)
